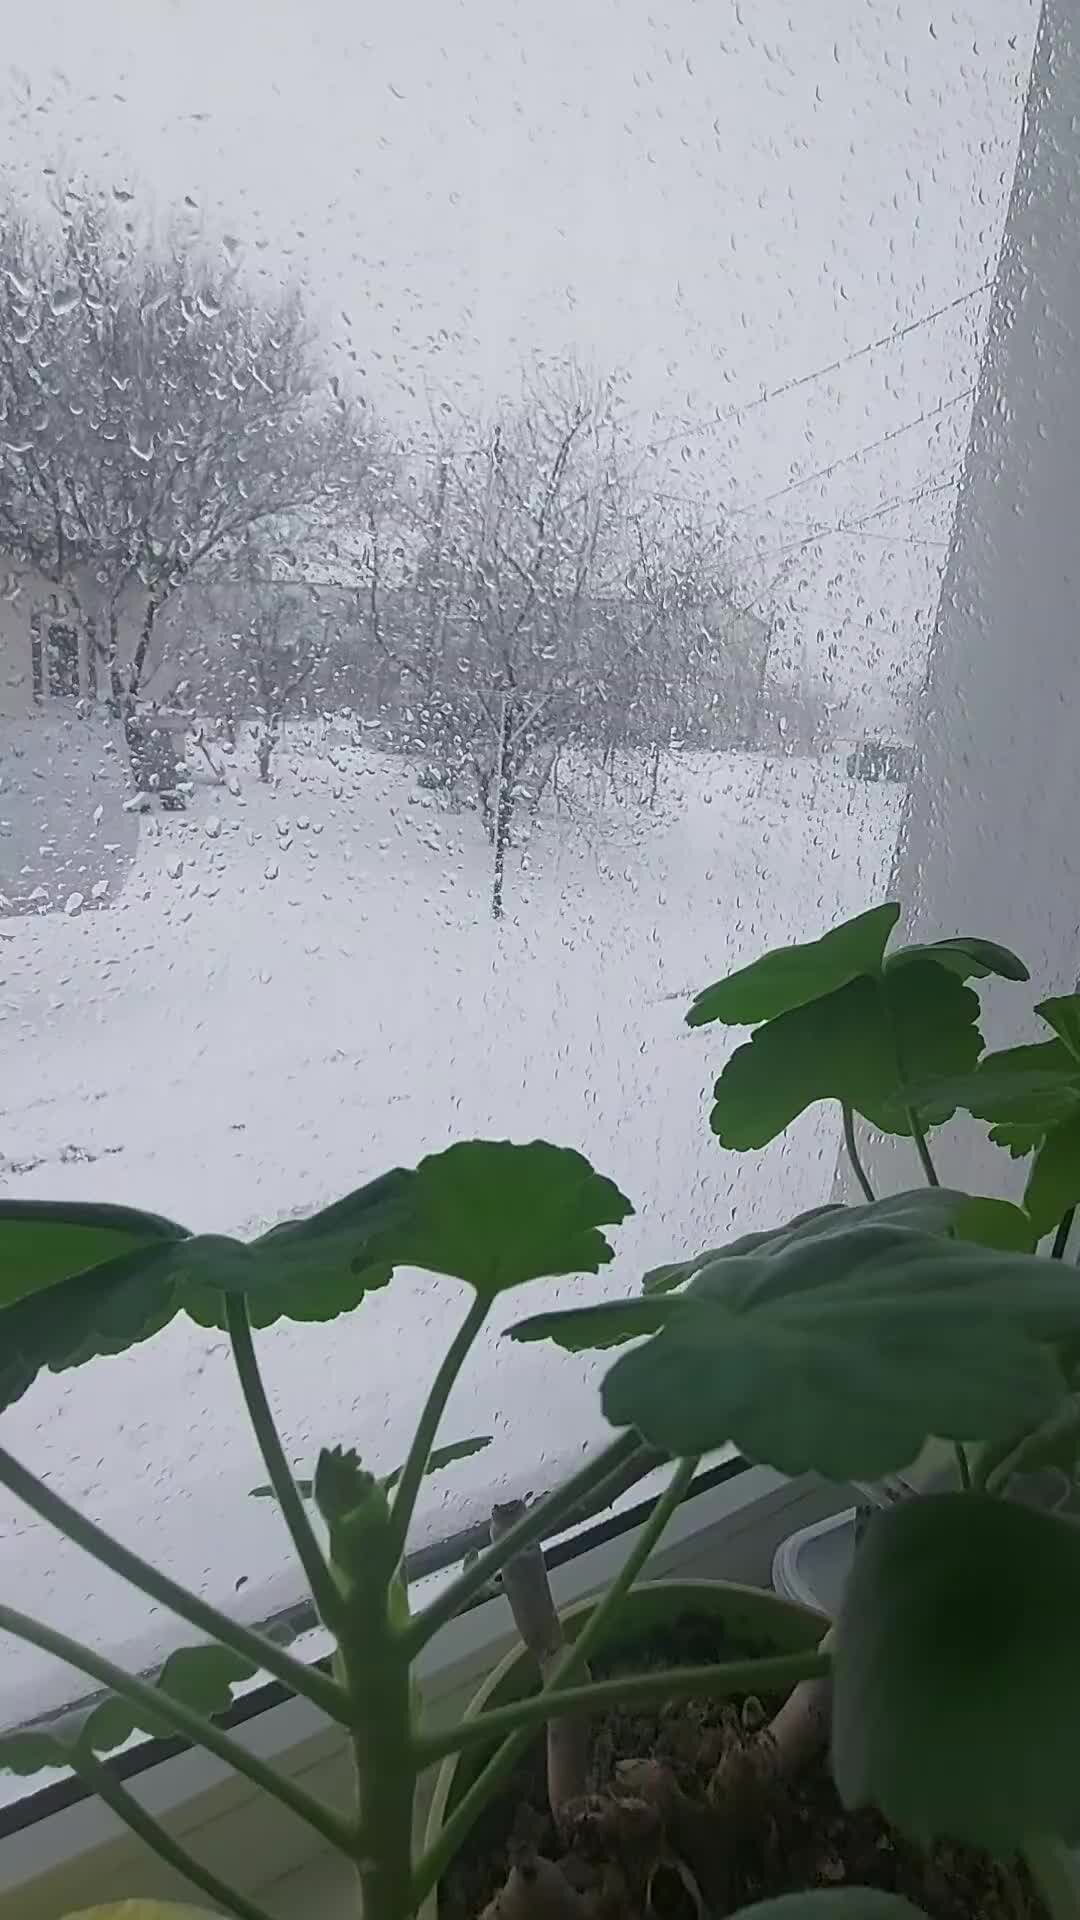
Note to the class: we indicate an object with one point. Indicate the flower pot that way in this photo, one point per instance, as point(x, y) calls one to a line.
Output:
point(749, 1616)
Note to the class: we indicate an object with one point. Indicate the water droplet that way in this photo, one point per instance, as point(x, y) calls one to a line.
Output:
point(64, 300)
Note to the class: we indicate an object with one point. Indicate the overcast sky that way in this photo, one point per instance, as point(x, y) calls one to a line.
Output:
point(712, 197)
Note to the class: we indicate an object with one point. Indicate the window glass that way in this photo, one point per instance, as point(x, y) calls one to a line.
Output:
point(474, 487)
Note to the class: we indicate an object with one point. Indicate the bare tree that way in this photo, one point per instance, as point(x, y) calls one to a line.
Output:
point(537, 606)
point(254, 651)
point(153, 413)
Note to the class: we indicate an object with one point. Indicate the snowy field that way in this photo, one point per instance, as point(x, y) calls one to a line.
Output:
point(301, 986)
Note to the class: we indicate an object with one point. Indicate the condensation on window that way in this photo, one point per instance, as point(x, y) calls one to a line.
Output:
point(474, 487)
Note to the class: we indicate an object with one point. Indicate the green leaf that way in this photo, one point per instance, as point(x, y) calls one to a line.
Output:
point(44, 1242)
point(438, 1458)
point(28, 1752)
point(320, 1266)
point(844, 1352)
point(791, 977)
point(1019, 1138)
point(105, 1310)
point(495, 1214)
point(846, 1047)
point(203, 1677)
point(967, 957)
point(1032, 1085)
point(832, 1903)
point(957, 1672)
point(677, 1272)
point(996, 1223)
point(441, 1457)
point(1063, 1014)
point(1054, 1181)
point(928, 1209)
point(609, 1324)
point(307, 1269)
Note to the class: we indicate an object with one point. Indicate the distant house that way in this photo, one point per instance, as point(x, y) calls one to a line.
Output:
point(67, 839)
point(48, 649)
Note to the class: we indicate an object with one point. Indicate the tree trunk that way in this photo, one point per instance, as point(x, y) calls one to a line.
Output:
point(138, 661)
point(655, 778)
point(504, 807)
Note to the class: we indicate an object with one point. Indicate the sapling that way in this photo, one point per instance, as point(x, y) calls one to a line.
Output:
point(839, 1343)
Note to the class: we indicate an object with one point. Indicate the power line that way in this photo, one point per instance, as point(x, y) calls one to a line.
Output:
point(922, 492)
point(855, 529)
point(822, 473)
point(818, 373)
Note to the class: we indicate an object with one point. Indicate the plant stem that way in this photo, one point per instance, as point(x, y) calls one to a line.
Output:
point(1053, 1874)
point(592, 1629)
point(962, 1466)
point(157, 1706)
point(614, 1465)
point(852, 1146)
point(471, 1804)
point(324, 1591)
point(308, 1682)
point(415, 1467)
point(918, 1134)
point(374, 1663)
point(716, 1682)
point(1061, 1237)
point(103, 1781)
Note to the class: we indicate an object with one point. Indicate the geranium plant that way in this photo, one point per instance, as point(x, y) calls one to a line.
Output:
point(841, 1343)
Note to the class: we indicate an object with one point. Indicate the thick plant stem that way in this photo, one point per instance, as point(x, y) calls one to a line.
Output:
point(616, 1465)
point(1054, 1875)
point(375, 1666)
point(852, 1146)
point(319, 1578)
point(1061, 1237)
point(159, 1706)
point(386, 1779)
point(769, 1674)
point(102, 1780)
point(504, 1758)
point(918, 1134)
point(415, 1467)
point(308, 1682)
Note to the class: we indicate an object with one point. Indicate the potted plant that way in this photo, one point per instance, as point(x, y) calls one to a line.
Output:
point(838, 1343)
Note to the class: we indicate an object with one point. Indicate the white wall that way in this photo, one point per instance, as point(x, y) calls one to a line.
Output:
point(991, 844)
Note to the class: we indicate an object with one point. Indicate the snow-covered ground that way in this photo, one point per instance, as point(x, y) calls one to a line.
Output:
point(302, 986)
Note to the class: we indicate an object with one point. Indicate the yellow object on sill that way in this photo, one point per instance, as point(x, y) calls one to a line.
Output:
point(142, 1910)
